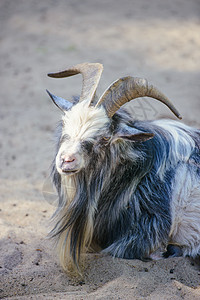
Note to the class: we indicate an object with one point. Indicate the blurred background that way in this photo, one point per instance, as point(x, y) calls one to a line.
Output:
point(156, 39)
point(159, 40)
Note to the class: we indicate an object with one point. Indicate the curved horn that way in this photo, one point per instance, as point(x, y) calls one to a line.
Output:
point(127, 88)
point(91, 73)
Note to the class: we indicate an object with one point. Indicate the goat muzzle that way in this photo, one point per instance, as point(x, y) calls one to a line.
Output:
point(68, 164)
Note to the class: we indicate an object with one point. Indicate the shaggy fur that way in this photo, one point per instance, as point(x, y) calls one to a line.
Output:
point(129, 197)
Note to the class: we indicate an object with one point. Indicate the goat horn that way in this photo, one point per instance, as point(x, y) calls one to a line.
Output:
point(91, 73)
point(127, 88)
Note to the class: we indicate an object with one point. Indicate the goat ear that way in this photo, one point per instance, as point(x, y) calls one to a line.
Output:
point(132, 134)
point(60, 102)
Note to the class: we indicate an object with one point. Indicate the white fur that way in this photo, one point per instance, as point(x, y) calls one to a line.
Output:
point(185, 209)
point(181, 144)
point(83, 126)
point(185, 204)
point(180, 138)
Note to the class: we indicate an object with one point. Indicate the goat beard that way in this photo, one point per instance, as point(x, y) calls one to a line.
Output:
point(75, 222)
point(75, 216)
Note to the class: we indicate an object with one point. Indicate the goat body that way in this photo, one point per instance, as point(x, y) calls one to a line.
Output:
point(125, 187)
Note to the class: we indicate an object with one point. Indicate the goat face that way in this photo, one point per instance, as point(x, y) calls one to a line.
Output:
point(88, 130)
point(84, 128)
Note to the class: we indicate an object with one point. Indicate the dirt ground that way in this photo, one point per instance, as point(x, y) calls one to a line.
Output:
point(156, 39)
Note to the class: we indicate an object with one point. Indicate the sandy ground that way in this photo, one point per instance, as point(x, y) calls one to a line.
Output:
point(156, 39)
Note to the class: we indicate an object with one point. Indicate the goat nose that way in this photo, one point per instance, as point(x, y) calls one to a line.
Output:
point(68, 163)
point(68, 159)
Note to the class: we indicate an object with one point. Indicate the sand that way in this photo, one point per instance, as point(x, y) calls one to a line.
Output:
point(156, 39)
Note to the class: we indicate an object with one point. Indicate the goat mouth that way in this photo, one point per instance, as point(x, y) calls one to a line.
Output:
point(69, 172)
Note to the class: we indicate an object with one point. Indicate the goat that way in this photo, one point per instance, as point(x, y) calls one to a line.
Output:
point(125, 187)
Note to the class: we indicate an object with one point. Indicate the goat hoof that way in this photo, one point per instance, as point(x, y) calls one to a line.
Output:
point(173, 251)
point(146, 259)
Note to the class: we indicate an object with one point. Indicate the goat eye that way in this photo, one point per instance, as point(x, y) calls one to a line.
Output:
point(106, 138)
